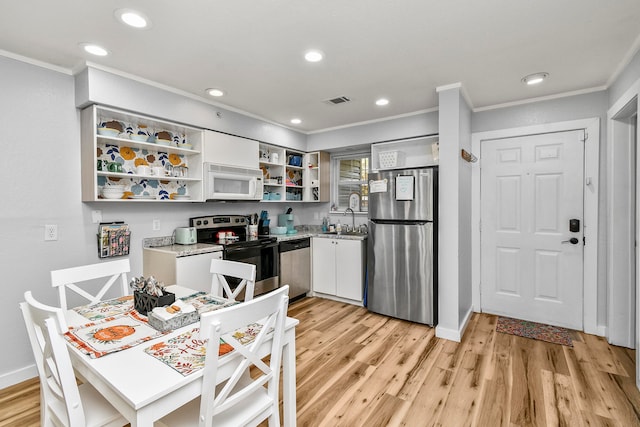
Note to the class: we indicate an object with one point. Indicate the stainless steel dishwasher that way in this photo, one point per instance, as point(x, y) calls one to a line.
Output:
point(295, 266)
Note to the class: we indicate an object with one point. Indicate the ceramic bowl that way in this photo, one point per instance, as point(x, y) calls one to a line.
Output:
point(108, 132)
point(187, 146)
point(113, 188)
point(140, 138)
point(163, 142)
point(113, 195)
point(278, 230)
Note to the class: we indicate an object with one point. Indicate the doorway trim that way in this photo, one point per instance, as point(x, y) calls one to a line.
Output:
point(591, 190)
point(622, 215)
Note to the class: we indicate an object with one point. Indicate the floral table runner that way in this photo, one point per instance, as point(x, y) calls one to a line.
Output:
point(204, 302)
point(186, 352)
point(111, 334)
point(107, 308)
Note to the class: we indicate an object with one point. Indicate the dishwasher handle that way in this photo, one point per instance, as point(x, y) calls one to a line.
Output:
point(292, 245)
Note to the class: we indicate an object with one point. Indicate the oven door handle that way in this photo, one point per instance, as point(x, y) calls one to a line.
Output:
point(258, 247)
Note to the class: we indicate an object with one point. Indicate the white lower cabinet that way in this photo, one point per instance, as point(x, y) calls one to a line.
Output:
point(193, 271)
point(338, 268)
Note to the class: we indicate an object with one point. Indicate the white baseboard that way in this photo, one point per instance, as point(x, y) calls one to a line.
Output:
point(454, 334)
point(12, 378)
point(336, 298)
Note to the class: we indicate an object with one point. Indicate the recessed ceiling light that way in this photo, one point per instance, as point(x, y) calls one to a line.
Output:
point(296, 121)
point(313, 56)
point(534, 79)
point(382, 101)
point(94, 49)
point(215, 92)
point(132, 18)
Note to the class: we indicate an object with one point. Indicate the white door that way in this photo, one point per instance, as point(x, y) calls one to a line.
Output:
point(531, 262)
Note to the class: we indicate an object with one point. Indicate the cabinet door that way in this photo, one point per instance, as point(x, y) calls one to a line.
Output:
point(230, 150)
point(349, 269)
point(324, 265)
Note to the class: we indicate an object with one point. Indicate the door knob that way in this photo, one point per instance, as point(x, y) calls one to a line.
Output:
point(573, 241)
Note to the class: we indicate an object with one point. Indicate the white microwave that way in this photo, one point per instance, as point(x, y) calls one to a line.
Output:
point(232, 183)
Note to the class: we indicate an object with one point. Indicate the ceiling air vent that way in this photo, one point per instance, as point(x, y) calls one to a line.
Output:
point(338, 100)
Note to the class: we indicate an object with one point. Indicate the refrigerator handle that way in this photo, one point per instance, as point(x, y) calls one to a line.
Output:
point(396, 222)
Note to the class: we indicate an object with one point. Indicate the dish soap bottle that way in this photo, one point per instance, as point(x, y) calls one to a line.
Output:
point(338, 228)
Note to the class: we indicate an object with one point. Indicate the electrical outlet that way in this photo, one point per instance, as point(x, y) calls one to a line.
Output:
point(156, 224)
point(50, 232)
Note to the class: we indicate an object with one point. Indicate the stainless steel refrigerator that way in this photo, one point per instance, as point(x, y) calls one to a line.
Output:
point(402, 244)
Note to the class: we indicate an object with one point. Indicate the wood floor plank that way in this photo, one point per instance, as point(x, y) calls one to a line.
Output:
point(418, 358)
point(527, 399)
point(428, 403)
point(601, 355)
point(326, 395)
point(584, 380)
point(561, 408)
point(386, 408)
point(357, 368)
point(495, 409)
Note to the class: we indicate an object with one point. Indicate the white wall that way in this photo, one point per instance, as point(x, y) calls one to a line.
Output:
point(96, 86)
point(558, 110)
point(454, 236)
point(379, 131)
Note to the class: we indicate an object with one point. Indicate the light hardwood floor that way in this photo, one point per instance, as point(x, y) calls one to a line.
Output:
point(356, 368)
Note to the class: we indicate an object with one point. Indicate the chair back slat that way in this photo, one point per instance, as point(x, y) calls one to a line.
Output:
point(270, 311)
point(239, 270)
point(45, 326)
point(70, 278)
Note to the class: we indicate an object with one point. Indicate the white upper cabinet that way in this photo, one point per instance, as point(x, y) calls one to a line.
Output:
point(230, 150)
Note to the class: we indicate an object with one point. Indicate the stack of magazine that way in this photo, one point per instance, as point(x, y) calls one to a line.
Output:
point(113, 239)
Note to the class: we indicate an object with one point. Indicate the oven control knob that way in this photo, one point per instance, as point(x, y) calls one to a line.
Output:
point(206, 221)
point(197, 222)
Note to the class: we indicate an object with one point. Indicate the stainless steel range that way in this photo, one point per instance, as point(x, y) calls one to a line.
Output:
point(238, 245)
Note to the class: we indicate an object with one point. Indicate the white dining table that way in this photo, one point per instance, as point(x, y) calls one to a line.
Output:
point(144, 389)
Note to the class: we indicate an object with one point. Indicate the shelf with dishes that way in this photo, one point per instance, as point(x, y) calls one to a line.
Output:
point(153, 160)
point(153, 146)
point(271, 162)
point(136, 176)
point(115, 186)
point(297, 175)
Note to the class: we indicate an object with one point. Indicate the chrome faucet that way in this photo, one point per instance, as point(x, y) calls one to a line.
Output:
point(353, 218)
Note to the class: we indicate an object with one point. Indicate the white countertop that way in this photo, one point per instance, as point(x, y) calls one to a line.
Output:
point(186, 250)
point(302, 235)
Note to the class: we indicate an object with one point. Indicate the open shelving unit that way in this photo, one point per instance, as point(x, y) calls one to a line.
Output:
point(98, 149)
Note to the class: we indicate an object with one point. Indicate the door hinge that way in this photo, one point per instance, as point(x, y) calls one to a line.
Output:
point(586, 136)
point(584, 241)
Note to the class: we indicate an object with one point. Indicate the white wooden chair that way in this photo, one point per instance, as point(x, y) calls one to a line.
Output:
point(62, 401)
point(67, 278)
point(242, 400)
point(239, 270)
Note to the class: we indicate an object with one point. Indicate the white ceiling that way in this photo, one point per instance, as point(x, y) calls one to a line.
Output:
point(398, 49)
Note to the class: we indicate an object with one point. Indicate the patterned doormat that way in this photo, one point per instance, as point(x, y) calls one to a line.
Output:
point(536, 331)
